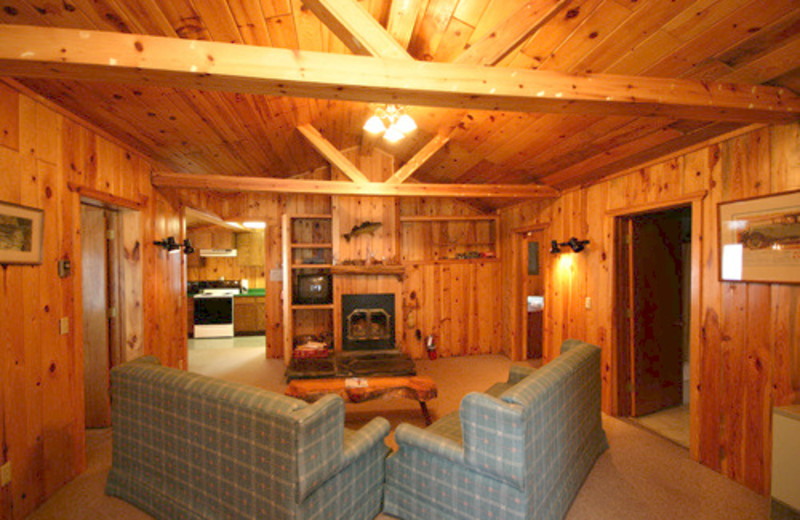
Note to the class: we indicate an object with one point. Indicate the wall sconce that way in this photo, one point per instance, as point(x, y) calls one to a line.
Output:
point(170, 245)
point(576, 245)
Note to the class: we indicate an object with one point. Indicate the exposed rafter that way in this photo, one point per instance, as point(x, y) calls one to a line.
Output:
point(228, 183)
point(413, 164)
point(104, 56)
point(357, 29)
point(334, 156)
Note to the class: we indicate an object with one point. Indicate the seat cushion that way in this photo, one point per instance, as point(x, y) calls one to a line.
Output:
point(448, 426)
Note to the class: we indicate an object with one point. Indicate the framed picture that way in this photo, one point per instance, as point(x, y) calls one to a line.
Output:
point(20, 234)
point(760, 239)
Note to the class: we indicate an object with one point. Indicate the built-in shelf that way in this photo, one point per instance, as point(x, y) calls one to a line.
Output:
point(439, 239)
point(452, 261)
point(311, 245)
point(312, 307)
point(452, 218)
point(296, 242)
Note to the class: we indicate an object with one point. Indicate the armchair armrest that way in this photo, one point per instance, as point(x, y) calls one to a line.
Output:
point(361, 441)
point(518, 372)
point(408, 435)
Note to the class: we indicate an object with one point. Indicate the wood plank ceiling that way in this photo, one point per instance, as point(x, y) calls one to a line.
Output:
point(209, 132)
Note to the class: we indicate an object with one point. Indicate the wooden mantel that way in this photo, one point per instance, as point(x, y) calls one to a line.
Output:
point(373, 269)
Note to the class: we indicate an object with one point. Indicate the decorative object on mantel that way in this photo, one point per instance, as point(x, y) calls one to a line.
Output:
point(363, 228)
point(21, 234)
point(576, 245)
point(760, 239)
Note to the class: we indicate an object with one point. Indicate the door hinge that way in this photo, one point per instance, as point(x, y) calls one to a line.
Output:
point(110, 234)
point(626, 239)
point(112, 312)
point(628, 313)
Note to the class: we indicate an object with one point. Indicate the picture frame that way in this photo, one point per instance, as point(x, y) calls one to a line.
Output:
point(21, 234)
point(760, 239)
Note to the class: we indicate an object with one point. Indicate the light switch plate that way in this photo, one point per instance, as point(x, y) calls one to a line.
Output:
point(63, 325)
point(5, 474)
point(588, 303)
point(276, 275)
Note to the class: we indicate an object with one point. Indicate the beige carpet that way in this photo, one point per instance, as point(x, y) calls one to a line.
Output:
point(641, 476)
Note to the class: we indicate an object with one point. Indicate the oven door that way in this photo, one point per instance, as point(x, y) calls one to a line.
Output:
point(213, 316)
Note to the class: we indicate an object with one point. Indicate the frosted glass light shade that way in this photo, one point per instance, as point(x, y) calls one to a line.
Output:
point(374, 125)
point(393, 134)
point(405, 124)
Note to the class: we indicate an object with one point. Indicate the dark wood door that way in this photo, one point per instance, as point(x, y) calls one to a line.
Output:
point(656, 323)
point(96, 357)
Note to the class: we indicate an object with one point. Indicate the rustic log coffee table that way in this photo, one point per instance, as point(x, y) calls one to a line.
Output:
point(359, 389)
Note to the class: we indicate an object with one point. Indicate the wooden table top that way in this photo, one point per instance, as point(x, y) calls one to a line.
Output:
point(358, 389)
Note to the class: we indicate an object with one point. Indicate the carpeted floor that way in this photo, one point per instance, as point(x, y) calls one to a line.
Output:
point(642, 476)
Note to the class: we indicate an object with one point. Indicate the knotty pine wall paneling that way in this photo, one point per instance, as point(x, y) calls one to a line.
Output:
point(267, 207)
point(450, 301)
point(745, 355)
point(44, 151)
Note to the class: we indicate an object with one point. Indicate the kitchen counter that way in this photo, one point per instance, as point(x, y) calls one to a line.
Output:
point(252, 292)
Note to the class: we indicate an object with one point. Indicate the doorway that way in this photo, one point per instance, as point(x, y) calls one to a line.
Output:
point(230, 261)
point(653, 325)
point(530, 297)
point(111, 297)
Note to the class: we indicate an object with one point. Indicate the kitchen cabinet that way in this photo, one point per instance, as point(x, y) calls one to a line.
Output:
point(251, 248)
point(249, 315)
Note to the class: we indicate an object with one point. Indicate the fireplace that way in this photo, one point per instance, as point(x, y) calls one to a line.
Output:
point(367, 322)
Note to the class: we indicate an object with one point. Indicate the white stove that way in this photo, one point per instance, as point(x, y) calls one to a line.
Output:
point(213, 313)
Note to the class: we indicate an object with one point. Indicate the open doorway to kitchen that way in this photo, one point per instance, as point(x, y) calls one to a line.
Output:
point(226, 284)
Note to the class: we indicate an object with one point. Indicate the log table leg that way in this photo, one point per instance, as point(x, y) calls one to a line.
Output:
point(425, 413)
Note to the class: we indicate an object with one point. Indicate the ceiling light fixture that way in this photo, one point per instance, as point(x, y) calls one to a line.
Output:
point(392, 121)
point(255, 224)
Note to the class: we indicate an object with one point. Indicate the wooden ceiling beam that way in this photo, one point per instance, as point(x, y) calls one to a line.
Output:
point(227, 183)
point(511, 33)
point(419, 158)
point(48, 52)
point(332, 154)
point(357, 29)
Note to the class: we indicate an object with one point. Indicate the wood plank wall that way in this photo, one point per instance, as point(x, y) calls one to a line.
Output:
point(41, 370)
point(215, 268)
point(431, 293)
point(746, 355)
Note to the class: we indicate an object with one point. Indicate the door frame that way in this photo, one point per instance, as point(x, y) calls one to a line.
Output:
point(619, 356)
point(129, 318)
point(519, 327)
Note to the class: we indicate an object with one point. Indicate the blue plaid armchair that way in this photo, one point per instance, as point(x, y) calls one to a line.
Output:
point(187, 446)
point(521, 450)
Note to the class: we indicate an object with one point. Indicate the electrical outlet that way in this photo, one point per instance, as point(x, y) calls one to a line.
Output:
point(588, 303)
point(63, 325)
point(5, 474)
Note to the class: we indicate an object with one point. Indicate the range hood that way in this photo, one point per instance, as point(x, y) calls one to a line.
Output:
point(217, 252)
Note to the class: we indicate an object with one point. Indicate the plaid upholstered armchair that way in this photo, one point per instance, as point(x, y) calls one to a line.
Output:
point(521, 450)
point(187, 446)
